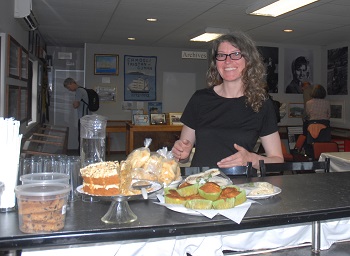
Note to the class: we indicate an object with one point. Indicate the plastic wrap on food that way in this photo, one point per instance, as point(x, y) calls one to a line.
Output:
point(170, 170)
point(154, 164)
point(143, 174)
point(138, 157)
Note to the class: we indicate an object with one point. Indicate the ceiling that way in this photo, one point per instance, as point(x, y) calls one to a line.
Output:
point(71, 23)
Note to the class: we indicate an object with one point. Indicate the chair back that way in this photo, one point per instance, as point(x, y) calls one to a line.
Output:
point(295, 167)
point(322, 147)
point(242, 171)
point(288, 157)
point(300, 143)
point(245, 170)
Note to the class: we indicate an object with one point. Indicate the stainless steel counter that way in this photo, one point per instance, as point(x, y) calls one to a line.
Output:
point(305, 198)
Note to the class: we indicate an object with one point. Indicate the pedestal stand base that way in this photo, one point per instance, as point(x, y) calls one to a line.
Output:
point(119, 212)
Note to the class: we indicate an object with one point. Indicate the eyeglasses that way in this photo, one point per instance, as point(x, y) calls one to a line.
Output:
point(233, 56)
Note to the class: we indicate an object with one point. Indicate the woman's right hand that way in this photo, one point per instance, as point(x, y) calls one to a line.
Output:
point(182, 149)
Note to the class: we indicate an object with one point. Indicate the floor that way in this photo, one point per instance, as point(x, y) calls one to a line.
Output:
point(337, 249)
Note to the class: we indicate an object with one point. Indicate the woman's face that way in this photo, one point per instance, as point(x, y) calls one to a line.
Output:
point(302, 73)
point(230, 70)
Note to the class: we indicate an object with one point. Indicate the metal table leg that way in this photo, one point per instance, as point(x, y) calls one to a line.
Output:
point(316, 237)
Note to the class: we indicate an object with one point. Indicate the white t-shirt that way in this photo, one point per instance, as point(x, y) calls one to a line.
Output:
point(83, 110)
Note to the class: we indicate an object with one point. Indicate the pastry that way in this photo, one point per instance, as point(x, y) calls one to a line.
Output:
point(101, 179)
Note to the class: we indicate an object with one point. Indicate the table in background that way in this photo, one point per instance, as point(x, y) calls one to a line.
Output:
point(340, 161)
point(114, 126)
point(161, 135)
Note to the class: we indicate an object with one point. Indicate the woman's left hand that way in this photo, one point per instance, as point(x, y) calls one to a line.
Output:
point(238, 159)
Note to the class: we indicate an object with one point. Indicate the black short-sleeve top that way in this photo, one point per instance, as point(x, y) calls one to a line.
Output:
point(220, 122)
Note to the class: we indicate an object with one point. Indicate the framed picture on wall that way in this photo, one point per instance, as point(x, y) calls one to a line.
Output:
point(337, 111)
point(296, 110)
point(106, 64)
point(24, 64)
point(14, 58)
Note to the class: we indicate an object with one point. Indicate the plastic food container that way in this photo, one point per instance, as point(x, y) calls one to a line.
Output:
point(42, 206)
point(45, 177)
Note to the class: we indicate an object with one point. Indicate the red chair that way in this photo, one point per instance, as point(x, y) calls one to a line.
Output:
point(298, 153)
point(321, 147)
point(288, 157)
point(300, 143)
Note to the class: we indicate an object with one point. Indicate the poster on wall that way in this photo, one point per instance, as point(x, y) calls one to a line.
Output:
point(106, 92)
point(297, 69)
point(337, 71)
point(140, 78)
point(155, 107)
point(270, 58)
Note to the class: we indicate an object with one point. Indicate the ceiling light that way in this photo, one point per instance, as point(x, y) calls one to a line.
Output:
point(131, 38)
point(275, 8)
point(151, 19)
point(210, 34)
point(288, 30)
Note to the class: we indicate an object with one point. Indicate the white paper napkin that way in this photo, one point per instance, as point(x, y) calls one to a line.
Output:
point(235, 214)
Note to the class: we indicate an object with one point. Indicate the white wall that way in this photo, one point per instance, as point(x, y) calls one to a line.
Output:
point(10, 26)
point(168, 60)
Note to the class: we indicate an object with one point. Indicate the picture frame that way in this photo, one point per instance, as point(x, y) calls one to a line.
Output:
point(31, 41)
point(174, 119)
point(141, 119)
point(17, 102)
point(296, 110)
point(158, 119)
point(155, 107)
point(106, 64)
point(337, 111)
point(24, 64)
point(135, 112)
point(14, 58)
point(107, 93)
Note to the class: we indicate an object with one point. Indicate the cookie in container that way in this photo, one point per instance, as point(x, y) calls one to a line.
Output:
point(42, 206)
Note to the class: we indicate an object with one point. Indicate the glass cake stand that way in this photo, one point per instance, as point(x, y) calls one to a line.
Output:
point(119, 210)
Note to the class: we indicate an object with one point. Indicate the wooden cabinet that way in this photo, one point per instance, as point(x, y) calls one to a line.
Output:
point(161, 135)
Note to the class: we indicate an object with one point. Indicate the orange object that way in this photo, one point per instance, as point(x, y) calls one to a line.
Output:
point(288, 157)
point(314, 129)
point(323, 147)
point(300, 142)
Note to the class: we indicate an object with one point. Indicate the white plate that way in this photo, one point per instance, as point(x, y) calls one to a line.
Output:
point(156, 186)
point(175, 183)
point(250, 186)
point(183, 209)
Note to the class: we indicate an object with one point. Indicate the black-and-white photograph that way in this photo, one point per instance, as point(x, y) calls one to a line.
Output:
point(337, 71)
point(297, 69)
point(270, 58)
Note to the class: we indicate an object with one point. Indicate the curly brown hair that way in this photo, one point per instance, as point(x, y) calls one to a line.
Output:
point(253, 75)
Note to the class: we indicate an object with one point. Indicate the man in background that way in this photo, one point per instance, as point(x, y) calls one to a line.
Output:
point(80, 94)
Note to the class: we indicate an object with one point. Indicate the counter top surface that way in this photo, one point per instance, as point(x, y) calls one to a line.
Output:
point(304, 198)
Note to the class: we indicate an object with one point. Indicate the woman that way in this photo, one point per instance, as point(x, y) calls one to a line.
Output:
point(301, 73)
point(225, 120)
point(318, 113)
point(318, 108)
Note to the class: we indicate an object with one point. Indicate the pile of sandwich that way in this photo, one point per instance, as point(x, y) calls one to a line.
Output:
point(205, 191)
